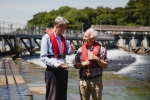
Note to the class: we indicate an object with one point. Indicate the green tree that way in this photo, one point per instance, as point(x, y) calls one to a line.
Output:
point(135, 13)
point(37, 19)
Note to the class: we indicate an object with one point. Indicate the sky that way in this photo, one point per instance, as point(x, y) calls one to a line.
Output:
point(20, 11)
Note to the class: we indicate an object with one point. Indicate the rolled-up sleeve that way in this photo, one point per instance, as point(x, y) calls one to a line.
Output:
point(103, 54)
point(77, 58)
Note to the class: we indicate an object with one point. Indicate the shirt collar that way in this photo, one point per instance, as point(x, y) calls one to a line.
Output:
point(55, 34)
point(90, 48)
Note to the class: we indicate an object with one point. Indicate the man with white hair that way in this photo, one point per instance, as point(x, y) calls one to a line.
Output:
point(91, 59)
point(54, 49)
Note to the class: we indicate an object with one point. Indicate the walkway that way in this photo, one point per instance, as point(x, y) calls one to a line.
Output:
point(12, 84)
point(21, 80)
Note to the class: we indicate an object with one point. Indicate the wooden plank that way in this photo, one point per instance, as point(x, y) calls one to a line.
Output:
point(2, 80)
point(19, 79)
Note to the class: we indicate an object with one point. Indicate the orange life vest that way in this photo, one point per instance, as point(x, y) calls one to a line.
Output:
point(95, 52)
point(55, 44)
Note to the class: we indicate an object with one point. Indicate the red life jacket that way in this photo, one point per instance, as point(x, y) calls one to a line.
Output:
point(55, 44)
point(95, 52)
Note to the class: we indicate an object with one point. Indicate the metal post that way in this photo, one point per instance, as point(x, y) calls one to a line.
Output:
point(10, 27)
point(34, 29)
point(28, 29)
point(3, 44)
point(82, 27)
point(39, 30)
point(0, 29)
point(3, 27)
point(100, 25)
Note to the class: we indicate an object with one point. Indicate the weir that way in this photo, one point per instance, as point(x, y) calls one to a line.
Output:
point(135, 42)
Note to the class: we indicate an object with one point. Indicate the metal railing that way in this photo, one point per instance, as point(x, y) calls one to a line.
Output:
point(15, 28)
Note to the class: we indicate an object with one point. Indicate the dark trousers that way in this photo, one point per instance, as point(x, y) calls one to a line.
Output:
point(56, 83)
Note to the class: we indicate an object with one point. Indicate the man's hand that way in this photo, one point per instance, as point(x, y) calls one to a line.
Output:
point(64, 66)
point(86, 63)
point(72, 47)
point(78, 65)
point(83, 64)
point(92, 57)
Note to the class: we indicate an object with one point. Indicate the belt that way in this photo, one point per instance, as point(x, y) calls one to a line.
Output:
point(57, 56)
point(49, 68)
point(92, 77)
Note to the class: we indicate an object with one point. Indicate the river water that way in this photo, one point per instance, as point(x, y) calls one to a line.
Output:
point(120, 62)
point(119, 79)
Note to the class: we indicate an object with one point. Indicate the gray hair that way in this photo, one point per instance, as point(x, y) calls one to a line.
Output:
point(60, 20)
point(93, 32)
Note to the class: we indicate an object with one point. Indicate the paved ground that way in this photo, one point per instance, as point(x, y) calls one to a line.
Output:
point(20, 80)
point(12, 84)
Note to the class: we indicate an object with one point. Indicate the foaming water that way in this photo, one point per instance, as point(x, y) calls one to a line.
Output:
point(129, 64)
point(139, 69)
point(117, 53)
point(35, 60)
point(118, 59)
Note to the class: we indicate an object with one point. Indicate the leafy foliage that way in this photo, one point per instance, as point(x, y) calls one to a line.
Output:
point(20, 49)
point(135, 13)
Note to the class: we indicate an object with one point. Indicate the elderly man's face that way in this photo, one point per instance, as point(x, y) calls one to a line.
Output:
point(62, 28)
point(86, 38)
